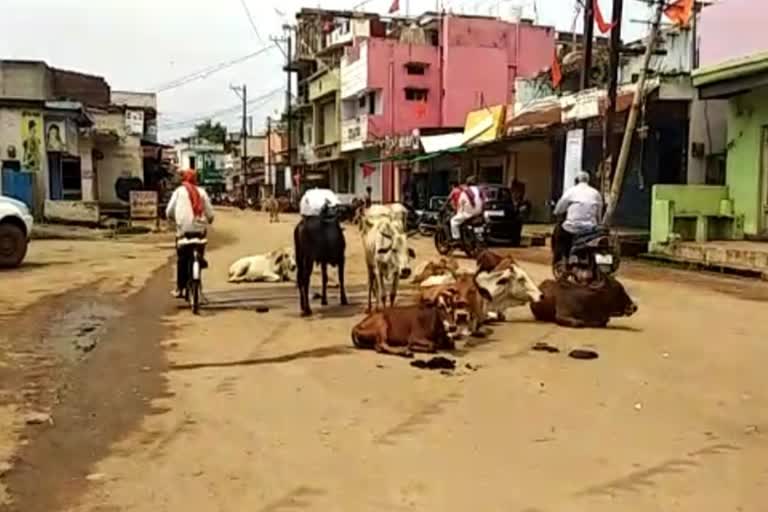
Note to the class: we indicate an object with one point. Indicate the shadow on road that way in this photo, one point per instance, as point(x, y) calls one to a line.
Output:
point(315, 353)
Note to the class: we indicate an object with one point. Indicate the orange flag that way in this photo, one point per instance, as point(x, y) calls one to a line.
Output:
point(602, 25)
point(557, 73)
point(680, 12)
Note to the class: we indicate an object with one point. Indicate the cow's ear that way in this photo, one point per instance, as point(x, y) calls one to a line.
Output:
point(279, 258)
point(411, 253)
point(484, 293)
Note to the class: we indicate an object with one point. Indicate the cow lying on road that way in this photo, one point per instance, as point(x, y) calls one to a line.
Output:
point(436, 272)
point(273, 267)
point(403, 330)
point(469, 311)
point(573, 305)
point(506, 286)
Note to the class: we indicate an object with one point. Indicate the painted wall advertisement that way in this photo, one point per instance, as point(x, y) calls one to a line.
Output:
point(143, 204)
point(31, 140)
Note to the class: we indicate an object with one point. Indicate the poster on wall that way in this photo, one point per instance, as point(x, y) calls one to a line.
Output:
point(134, 122)
point(55, 136)
point(31, 140)
point(574, 145)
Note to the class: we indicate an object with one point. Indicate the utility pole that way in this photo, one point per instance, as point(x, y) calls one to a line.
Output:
point(626, 144)
point(242, 92)
point(589, 35)
point(288, 108)
point(269, 154)
point(609, 146)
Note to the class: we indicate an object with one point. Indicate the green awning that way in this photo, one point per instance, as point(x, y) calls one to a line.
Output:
point(430, 156)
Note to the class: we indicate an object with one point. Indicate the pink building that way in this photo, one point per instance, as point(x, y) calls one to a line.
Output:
point(731, 29)
point(449, 67)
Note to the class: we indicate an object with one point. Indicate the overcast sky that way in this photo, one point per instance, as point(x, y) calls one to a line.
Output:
point(143, 44)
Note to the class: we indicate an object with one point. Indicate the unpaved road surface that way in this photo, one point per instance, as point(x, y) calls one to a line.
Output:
point(241, 411)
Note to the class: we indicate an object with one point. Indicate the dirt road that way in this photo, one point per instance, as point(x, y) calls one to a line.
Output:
point(237, 410)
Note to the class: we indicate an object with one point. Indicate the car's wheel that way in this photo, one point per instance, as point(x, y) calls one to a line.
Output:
point(13, 245)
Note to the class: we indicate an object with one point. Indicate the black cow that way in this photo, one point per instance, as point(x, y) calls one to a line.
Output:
point(574, 305)
point(318, 239)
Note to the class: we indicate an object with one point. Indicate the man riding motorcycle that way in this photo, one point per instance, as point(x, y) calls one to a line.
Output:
point(470, 204)
point(582, 206)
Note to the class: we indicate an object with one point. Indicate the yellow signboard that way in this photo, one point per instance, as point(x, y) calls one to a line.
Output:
point(485, 125)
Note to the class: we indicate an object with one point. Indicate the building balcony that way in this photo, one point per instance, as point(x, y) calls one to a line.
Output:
point(354, 133)
point(324, 84)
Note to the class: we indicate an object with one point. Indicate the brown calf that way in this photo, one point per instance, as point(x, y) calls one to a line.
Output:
point(443, 266)
point(488, 261)
point(402, 330)
point(469, 306)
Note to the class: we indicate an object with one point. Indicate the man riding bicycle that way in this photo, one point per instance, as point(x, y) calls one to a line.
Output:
point(191, 210)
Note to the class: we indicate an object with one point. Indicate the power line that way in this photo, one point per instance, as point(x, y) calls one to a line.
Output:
point(250, 19)
point(218, 113)
point(206, 72)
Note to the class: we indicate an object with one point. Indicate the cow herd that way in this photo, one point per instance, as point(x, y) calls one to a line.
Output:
point(451, 303)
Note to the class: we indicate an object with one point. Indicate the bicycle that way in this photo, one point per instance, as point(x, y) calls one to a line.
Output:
point(194, 287)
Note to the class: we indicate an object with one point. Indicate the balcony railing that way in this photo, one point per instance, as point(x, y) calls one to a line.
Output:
point(354, 132)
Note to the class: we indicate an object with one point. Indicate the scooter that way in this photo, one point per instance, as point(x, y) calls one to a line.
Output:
point(593, 257)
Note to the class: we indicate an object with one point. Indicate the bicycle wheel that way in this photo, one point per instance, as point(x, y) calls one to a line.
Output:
point(194, 296)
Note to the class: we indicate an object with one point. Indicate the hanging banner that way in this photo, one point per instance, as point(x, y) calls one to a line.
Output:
point(574, 148)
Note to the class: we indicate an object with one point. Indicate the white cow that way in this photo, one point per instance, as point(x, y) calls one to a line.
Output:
point(387, 257)
point(507, 286)
point(272, 267)
point(395, 212)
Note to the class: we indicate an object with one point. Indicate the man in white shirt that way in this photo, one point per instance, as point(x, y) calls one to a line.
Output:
point(470, 204)
point(582, 206)
point(314, 200)
point(191, 210)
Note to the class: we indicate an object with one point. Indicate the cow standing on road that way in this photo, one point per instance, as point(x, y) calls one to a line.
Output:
point(387, 257)
point(318, 238)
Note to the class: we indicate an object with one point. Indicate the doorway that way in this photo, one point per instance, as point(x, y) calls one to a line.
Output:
point(763, 213)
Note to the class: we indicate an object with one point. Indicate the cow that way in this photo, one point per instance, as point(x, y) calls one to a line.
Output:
point(573, 305)
point(272, 267)
point(403, 330)
point(388, 259)
point(469, 305)
point(394, 211)
point(435, 268)
point(318, 239)
point(488, 260)
point(272, 206)
point(506, 286)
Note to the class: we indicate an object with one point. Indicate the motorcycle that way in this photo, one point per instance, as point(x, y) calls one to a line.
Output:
point(473, 235)
point(593, 257)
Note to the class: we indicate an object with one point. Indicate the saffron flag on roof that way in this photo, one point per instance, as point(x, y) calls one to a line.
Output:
point(395, 6)
point(602, 25)
point(557, 73)
point(680, 12)
point(368, 170)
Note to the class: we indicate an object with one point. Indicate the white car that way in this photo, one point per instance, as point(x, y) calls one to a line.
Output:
point(15, 230)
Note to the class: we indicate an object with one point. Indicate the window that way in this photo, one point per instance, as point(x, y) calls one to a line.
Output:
point(371, 103)
point(65, 179)
point(415, 68)
point(192, 163)
point(361, 101)
point(412, 94)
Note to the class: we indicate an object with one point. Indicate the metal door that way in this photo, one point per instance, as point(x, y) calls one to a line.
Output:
point(19, 185)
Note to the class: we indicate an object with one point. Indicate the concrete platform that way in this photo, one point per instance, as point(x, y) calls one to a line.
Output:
point(740, 256)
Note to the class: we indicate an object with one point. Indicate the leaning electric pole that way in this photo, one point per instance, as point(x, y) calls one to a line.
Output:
point(629, 132)
point(609, 146)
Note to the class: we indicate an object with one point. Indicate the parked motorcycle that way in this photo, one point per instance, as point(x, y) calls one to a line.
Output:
point(473, 235)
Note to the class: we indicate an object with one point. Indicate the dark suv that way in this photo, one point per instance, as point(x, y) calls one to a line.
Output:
point(503, 219)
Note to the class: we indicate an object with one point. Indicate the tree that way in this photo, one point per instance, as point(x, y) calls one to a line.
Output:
point(211, 132)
